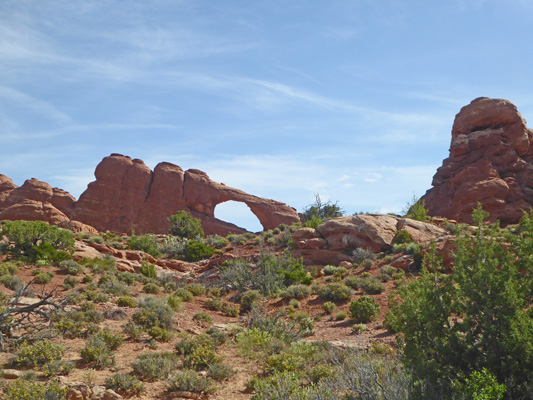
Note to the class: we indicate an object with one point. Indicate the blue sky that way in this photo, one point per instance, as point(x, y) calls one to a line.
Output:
point(353, 100)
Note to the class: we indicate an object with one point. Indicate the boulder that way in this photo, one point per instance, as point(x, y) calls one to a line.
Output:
point(334, 241)
point(490, 162)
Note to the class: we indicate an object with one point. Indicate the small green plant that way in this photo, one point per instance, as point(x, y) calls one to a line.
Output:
point(364, 309)
point(416, 209)
point(38, 353)
point(229, 310)
point(334, 292)
point(126, 301)
point(342, 315)
point(97, 353)
point(154, 366)
point(298, 291)
point(182, 224)
point(71, 267)
point(189, 381)
point(148, 269)
point(219, 371)
point(22, 389)
point(203, 317)
point(146, 243)
point(329, 307)
point(358, 328)
point(151, 288)
point(196, 289)
point(125, 384)
point(329, 270)
point(248, 300)
point(57, 367)
point(184, 295)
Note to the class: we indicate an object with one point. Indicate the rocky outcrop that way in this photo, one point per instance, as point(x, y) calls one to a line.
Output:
point(127, 196)
point(334, 241)
point(491, 162)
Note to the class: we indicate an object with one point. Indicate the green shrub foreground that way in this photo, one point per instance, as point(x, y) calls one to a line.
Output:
point(478, 318)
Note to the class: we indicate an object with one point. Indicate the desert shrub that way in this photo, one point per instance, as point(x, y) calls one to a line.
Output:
point(184, 295)
point(154, 366)
point(403, 237)
point(151, 288)
point(275, 324)
point(182, 224)
point(196, 289)
point(97, 352)
point(416, 209)
point(219, 371)
point(22, 389)
point(187, 346)
point(214, 304)
point(253, 342)
point(359, 255)
point(126, 302)
point(321, 210)
point(57, 367)
point(154, 312)
point(248, 300)
point(133, 330)
point(12, 282)
point(270, 275)
point(73, 324)
point(371, 285)
point(364, 309)
point(124, 384)
point(216, 241)
point(298, 291)
point(203, 317)
point(148, 269)
point(328, 307)
point(229, 310)
point(111, 285)
point(366, 264)
point(35, 240)
point(175, 302)
point(160, 334)
point(485, 288)
point(236, 239)
point(195, 250)
point(42, 277)
point(112, 340)
point(341, 315)
point(359, 328)
point(8, 268)
point(189, 381)
point(146, 243)
point(173, 247)
point(352, 281)
point(201, 358)
point(329, 270)
point(218, 336)
point(387, 272)
point(334, 292)
point(101, 265)
point(38, 353)
point(306, 326)
point(71, 267)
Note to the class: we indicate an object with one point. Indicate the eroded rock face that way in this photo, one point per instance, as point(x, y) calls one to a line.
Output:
point(491, 161)
point(334, 241)
point(127, 196)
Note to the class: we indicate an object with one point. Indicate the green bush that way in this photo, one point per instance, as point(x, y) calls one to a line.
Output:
point(184, 295)
point(298, 291)
point(160, 334)
point(196, 289)
point(229, 310)
point(97, 352)
point(70, 282)
point(214, 304)
point(329, 270)
point(22, 389)
point(371, 285)
point(189, 381)
point(57, 367)
point(146, 243)
point(38, 353)
point(476, 317)
point(203, 317)
point(154, 366)
point(334, 292)
point(151, 288)
point(71, 267)
point(360, 255)
point(218, 336)
point(216, 241)
point(364, 309)
point(341, 315)
point(359, 328)
point(126, 302)
point(125, 384)
point(154, 312)
point(43, 277)
point(219, 371)
point(195, 251)
point(182, 224)
point(148, 269)
point(403, 237)
point(248, 300)
point(416, 209)
point(328, 307)
point(36, 240)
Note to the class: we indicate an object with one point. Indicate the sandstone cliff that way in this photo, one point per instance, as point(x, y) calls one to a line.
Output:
point(127, 195)
point(491, 161)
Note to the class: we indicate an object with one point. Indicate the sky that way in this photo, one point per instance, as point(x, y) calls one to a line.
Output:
point(353, 100)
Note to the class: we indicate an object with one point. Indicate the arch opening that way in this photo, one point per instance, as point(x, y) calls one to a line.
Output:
point(239, 214)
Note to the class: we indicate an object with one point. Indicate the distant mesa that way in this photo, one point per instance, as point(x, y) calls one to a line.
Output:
point(127, 196)
point(491, 162)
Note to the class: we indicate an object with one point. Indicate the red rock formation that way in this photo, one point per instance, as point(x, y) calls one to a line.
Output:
point(334, 241)
point(491, 161)
point(128, 195)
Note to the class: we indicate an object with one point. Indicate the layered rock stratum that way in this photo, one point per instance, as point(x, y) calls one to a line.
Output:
point(127, 196)
point(490, 162)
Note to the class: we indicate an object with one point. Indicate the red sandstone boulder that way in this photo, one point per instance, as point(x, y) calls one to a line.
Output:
point(491, 161)
point(334, 241)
